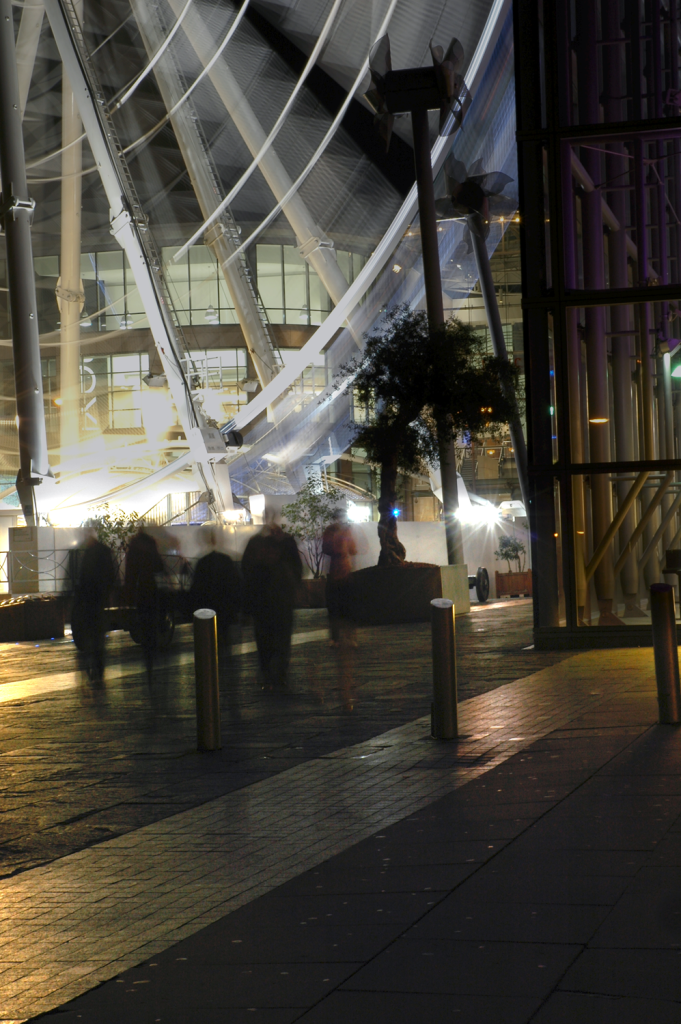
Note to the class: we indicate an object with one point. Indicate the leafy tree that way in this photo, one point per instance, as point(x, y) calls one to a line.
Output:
point(511, 550)
point(308, 516)
point(114, 527)
point(424, 388)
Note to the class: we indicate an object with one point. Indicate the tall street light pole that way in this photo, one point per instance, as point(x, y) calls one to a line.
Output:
point(418, 90)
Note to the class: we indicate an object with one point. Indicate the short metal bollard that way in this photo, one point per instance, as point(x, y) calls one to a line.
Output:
point(663, 614)
point(207, 683)
point(444, 724)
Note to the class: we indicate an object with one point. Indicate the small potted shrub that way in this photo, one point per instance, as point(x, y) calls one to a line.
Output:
point(306, 519)
point(514, 582)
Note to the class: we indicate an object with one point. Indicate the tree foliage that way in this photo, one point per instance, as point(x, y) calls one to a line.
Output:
point(424, 388)
point(114, 527)
point(307, 518)
point(511, 550)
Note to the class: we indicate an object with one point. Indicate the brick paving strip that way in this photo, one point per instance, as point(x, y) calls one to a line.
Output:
point(86, 918)
point(23, 688)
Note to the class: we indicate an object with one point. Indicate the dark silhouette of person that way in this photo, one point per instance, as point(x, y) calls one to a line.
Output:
point(217, 585)
point(142, 565)
point(271, 570)
point(338, 544)
point(96, 577)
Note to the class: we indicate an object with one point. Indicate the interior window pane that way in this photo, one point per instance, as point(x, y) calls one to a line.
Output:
point(204, 284)
point(270, 283)
point(295, 286)
point(111, 283)
point(320, 303)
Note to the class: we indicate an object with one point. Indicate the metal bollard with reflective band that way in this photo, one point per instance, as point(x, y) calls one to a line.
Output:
point(663, 615)
point(443, 709)
point(207, 683)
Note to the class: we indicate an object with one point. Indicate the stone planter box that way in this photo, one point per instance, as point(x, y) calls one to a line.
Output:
point(391, 594)
point(38, 619)
point(513, 584)
point(312, 593)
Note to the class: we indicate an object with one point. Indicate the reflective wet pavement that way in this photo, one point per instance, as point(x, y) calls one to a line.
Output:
point(368, 873)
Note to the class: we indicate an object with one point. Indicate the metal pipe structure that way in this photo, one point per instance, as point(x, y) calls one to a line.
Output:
point(617, 168)
point(598, 162)
point(69, 292)
point(17, 214)
point(665, 646)
point(489, 297)
point(27, 47)
point(575, 374)
point(223, 236)
point(315, 247)
point(593, 255)
point(207, 679)
point(444, 724)
point(625, 505)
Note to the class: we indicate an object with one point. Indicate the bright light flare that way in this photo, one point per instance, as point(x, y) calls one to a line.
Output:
point(478, 515)
point(358, 513)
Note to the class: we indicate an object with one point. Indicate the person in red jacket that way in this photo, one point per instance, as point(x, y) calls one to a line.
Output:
point(338, 544)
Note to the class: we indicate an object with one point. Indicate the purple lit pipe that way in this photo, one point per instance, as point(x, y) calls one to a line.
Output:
point(595, 334)
point(617, 167)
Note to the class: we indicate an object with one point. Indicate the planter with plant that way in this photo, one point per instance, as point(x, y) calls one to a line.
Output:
point(306, 519)
point(516, 581)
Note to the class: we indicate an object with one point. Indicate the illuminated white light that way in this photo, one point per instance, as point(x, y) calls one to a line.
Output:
point(396, 268)
point(257, 504)
point(478, 515)
point(236, 515)
point(359, 513)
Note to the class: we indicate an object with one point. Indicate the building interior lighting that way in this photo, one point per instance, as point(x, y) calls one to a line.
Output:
point(304, 314)
point(396, 268)
point(479, 515)
point(211, 316)
point(358, 513)
point(598, 419)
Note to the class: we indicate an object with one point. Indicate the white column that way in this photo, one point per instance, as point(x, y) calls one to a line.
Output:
point(69, 289)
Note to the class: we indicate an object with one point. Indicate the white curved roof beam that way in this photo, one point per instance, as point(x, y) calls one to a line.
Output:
point(205, 181)
point(314, 245)
point(278, 124)
point(316, 344)
point(27, 46)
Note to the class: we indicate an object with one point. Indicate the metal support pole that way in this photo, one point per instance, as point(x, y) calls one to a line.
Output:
point(666, 653)
point(444, 724)
point(70, 297)
point(436, 316)
point(489, 297)
point(207, 683)
point(17, 212)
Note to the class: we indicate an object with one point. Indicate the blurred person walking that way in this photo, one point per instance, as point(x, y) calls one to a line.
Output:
point(217, 585)
point(142, 565)
point(96, 577)
point(340, 547)
point(338, 544)
point(272, 569)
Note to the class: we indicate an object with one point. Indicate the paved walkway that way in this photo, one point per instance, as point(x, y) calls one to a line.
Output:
point(80, 765)
point(525, 872)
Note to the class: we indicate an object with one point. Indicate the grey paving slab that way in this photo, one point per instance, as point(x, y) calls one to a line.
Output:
point(570, 1008)
point(407, 1007)
point(641, 973)
point(516, 969)
point(134, 898)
